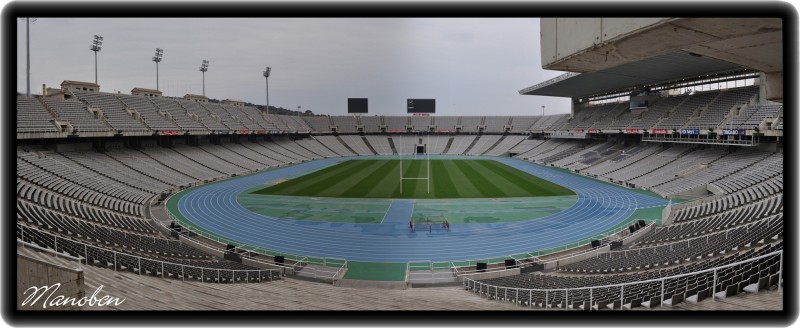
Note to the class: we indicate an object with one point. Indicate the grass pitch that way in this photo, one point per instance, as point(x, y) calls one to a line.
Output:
point(380, 178)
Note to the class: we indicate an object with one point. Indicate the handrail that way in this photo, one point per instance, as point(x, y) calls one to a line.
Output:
point(47, 250)
point(22, 228)
point(715, 269)
point(760, 221)
point(298, 259)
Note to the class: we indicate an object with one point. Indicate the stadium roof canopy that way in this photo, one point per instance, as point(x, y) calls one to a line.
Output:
point(657, 70)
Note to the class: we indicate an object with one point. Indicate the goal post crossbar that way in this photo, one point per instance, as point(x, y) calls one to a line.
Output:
point(428, 164)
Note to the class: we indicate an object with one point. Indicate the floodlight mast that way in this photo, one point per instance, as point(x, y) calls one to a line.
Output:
point(266, 76)
point(204, 69)
point(97, 44)
point(542, 110)
point(28, 54)
point(157, 59)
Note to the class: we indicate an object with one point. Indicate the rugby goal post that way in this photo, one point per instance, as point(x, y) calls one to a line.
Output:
point(417, 156)
point(429, 224)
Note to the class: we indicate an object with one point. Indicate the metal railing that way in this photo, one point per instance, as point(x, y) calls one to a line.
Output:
point(457, 268)
point(123, 261)
point(312, 267)
point(485, 289)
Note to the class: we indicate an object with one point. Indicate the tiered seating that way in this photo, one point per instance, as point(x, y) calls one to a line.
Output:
point(437, 144)
point(585, 117)
point(646, 164)
point(76, 113)
point(316, 147)
point(250, 117)
point(421, 123)
point(744, 197)
point(151, 116)
point(689, 162)
point(33, 117)
point(719, 168)
point(319, 123)
point(404, 144)
point(357, 144)
point(446, 123)
point(710, 242)
point(496, 124)
point(752, 116)
point(656, 111)
point(520, 124)
point(107, 166)
point(113, 109)
point(380, 144)
point(294, 148)
point(395, 123)
point(372, 124)
point(603, 120)
point(619, 162)
point(550, 122)
point(203, 156)
point(275, 151)
point(233, 123)
point(525, 146)
point(89, 213)
point(168, 157)
point(484, 143)
point(721, 106)
point(251, 152)
point(685, 111)
point(292, 122)
point(460, 144)
point(332, 143)
point(345, 124)
point(179, 114)
point(470, 123)
point(769, 168)
point(66, 176)
point(88, 191)
point(558, 152)
point(543, 148)
point(204, 116)
point(505, 145)
point(589, 154)
point(152, 168)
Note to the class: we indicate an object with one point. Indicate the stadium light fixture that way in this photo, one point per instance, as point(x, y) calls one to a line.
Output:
point(97, 44)
point(298, 110)
point(157, 58)
point(542, 110)
point(266, 76)
point(204, 69)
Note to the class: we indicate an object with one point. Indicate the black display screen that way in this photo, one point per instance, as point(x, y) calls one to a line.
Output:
point(421, 106)
point(357, 105)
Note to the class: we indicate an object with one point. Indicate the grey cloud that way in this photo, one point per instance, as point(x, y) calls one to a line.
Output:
point(472, 66)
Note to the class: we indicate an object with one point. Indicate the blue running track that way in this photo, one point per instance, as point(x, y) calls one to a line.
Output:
point(599, 207)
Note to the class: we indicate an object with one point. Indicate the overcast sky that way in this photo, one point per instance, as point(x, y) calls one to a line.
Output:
point(471, 66)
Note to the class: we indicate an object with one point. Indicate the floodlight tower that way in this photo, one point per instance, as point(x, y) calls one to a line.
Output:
point(542, 110)
point(28, 22)
point(97, 43)
point(204, 69)
point(157, 59)
point(298, 110)
point(266, 76)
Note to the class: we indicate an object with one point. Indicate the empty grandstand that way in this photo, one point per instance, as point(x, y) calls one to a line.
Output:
point(674, 204)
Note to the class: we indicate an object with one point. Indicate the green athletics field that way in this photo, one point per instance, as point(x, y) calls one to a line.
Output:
point(380, 178)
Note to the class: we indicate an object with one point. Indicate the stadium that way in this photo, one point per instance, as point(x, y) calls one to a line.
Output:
point(661, 189)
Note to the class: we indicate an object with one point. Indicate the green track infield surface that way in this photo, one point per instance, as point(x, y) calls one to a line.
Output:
point(448, 179)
